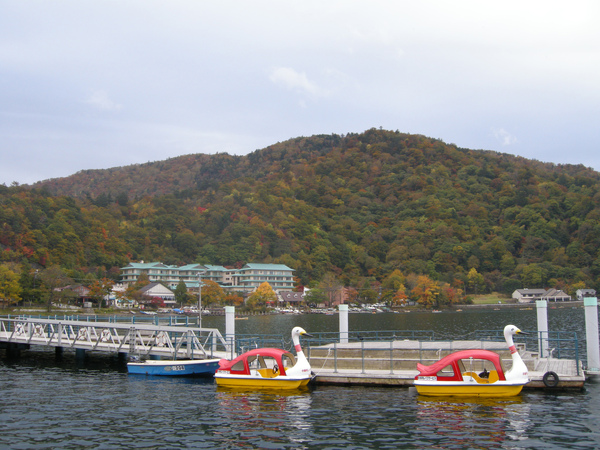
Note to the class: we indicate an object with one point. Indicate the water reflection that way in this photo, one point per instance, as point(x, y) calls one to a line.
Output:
point(472, 421)
point(279, 417)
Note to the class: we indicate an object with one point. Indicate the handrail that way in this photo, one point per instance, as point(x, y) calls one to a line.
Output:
point(144, 339)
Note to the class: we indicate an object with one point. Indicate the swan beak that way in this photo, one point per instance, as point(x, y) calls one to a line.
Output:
point(306, 334)
point(522, 332)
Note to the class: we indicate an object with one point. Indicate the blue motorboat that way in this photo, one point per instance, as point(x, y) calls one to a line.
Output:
point(174, 368)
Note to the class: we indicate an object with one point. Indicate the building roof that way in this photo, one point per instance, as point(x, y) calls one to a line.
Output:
point(143, 265)
point(192, 267)
point(531, 291)
point(267, 266)
point(215, 267)
point(288, 296)
point(156, 289)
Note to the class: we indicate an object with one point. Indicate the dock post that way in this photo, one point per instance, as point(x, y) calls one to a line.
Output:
point(542, 325)
point(80, 354)
point(58, 353)
point(343, 313)
point(591, 334)
point(230, 327)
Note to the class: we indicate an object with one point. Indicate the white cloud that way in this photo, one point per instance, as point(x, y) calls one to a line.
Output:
point(100, 100)
point(221, 76)
point(504, 136)
point(298, 81)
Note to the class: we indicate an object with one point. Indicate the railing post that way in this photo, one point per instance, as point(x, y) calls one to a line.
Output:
point(230, 325)
point(343, 318)
point(335, 368)
point(362, 353)
point(591, 334)
point(542, 325)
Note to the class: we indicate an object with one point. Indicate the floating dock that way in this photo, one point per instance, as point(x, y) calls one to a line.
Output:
point(380, 362)
point(394, 363)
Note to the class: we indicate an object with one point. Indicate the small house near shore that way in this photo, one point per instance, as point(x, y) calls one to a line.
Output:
point(532, 295)
point(159, 292)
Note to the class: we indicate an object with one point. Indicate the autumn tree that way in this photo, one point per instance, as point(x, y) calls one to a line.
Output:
point(393, 289)
point(101, 289)
point(212, 293)
point(233, 299)
point(426, 292)
point(261, 297)
point(400, 298)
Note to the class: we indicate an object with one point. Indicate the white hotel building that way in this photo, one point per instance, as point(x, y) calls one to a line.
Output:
point(246, 279)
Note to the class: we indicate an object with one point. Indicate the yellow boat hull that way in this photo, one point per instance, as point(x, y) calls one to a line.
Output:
point(469, 390)
point(245, 381)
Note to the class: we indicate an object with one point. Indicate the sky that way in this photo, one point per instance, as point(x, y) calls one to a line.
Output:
point(105, 83)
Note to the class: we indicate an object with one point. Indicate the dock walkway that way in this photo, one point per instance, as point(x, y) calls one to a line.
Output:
point(145, 340)
point(394, 363)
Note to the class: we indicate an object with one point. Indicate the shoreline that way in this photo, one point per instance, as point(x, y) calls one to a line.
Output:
point(454, 308)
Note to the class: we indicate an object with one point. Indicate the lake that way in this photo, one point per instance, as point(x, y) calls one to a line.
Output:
point(50, 404)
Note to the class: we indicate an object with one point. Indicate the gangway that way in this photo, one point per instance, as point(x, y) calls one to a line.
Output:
point(143, 340)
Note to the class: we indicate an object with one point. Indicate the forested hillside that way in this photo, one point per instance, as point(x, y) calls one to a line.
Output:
point(354, 208)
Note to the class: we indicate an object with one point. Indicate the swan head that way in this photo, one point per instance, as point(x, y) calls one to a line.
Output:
point(299, 331)
point(511, 330)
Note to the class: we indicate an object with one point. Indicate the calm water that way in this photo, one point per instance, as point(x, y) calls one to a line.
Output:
point(48, 404)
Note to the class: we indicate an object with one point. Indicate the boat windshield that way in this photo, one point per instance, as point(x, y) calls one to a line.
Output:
point(288, 360)
point(447, 371)
point(481, 367)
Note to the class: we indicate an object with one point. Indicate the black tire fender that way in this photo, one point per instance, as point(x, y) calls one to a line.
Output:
point(550, 379)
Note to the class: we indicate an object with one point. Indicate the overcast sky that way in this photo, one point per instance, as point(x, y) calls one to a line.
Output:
point(98, 84)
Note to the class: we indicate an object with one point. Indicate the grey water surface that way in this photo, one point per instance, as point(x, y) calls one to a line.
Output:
point(47, 404)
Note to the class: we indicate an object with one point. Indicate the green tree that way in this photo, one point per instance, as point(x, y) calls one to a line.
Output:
point(53, 278)
point(532, 276)
point(475, 281)
point(332, 288)
point(10, 289)
point(315, 296)
point(181, 293)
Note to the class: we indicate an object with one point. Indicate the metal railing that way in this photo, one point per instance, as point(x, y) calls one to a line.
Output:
point(141, 339)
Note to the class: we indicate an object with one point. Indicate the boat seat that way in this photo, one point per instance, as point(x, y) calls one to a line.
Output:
point(492, 378)
point(267, 373)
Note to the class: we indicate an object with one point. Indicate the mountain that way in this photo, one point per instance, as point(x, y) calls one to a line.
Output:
point(357, 206)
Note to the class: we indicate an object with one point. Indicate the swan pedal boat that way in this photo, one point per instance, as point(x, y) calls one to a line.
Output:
point(267, 368)
point(474, 372)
